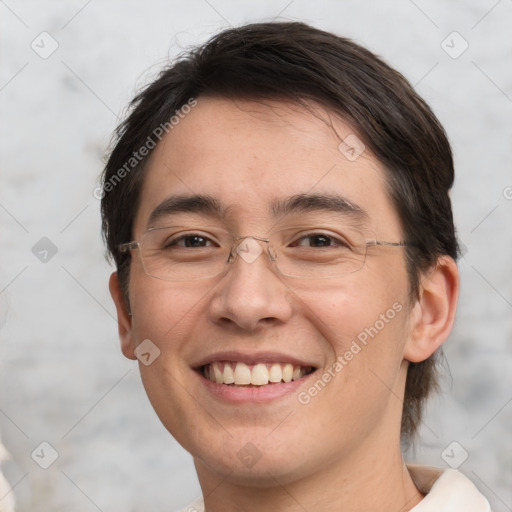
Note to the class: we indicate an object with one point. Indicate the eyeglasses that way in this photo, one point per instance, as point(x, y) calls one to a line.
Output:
point(181, 253)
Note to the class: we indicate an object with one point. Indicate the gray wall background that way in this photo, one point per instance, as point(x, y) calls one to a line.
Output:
point(63, 378)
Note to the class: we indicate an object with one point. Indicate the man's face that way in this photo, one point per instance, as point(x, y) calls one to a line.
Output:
point(250, 157)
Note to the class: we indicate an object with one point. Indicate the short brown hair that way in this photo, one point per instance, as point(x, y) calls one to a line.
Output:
point(294, 61)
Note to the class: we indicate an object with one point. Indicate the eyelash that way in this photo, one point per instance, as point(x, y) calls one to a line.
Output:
point(333, 240)
point(337, 241)
point(175, 241)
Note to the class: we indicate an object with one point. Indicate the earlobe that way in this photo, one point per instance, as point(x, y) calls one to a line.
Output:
point(433, 314)
point(124, 320)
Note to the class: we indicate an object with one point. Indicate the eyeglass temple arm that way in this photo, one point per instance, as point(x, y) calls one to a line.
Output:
point(389, 244)
point(129, 246)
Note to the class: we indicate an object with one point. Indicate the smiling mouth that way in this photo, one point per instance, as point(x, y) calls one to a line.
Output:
point(237, 373)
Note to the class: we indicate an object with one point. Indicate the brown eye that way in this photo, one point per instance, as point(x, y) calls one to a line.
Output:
point(189, 241)
point(319, 240)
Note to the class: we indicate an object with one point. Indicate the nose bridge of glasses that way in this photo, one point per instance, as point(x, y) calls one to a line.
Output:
point(249, 248)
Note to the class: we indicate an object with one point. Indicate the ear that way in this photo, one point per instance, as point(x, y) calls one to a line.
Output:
point(434, 313)
point(124, 320)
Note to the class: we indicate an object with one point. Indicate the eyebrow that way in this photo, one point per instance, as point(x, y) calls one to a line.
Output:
point(201, 204)
point(300, 203)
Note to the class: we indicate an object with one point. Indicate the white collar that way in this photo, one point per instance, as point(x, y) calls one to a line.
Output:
point(446, 491)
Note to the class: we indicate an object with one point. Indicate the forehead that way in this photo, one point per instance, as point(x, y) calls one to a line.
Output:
point(251, 155)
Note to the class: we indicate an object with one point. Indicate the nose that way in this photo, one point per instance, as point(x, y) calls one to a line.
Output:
point(251, 295)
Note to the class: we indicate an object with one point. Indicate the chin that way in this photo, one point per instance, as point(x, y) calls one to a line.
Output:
point(254, 464)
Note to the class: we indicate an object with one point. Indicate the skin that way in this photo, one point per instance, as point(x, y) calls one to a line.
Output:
point(346, 440)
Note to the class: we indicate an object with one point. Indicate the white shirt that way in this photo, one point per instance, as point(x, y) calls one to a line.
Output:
point(446, 491)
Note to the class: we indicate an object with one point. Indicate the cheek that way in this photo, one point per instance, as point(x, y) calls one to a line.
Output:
point(364, 324)
point(162, 311)
point(167, 314)
point(359, 305)
point(364, 327)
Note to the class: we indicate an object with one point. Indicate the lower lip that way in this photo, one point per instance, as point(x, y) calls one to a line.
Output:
point(253, 394)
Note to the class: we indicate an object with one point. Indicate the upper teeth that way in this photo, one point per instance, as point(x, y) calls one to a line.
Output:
point(238, 373)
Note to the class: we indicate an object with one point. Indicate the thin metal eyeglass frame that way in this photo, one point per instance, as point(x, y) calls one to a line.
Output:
point(135, 245)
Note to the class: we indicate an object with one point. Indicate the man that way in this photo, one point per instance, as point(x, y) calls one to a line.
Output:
point(277, 207)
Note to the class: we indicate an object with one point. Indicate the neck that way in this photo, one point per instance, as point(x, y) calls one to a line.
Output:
point(376, 481)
